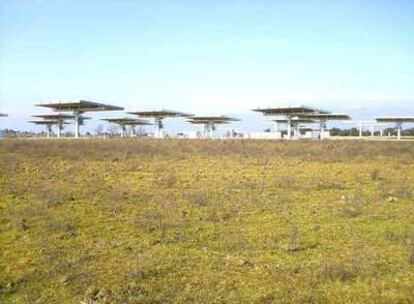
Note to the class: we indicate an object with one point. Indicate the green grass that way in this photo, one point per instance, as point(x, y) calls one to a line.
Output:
point(154, 221)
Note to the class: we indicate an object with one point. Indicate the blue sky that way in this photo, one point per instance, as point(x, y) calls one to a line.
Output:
point(208, 57)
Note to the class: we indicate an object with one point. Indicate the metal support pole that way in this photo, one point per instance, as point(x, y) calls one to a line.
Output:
point(77, 124)
point(289, 128)
point(122, 130)
point(58, 128)
point(275, 127)
point(381, 133)
point(158, 127)
point(372, 130)
point(210, 135)
point(208, 131)
point(48, 130)
point(399, 128)
point(360, 129)
point(322, 129)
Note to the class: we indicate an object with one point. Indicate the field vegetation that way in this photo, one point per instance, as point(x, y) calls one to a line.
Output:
point(177, 221)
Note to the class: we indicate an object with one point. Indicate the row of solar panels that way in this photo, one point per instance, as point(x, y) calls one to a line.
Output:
point(82, 106)
point(299, 111)
point(299, 114)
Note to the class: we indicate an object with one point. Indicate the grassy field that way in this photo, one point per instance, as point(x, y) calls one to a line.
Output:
point(175, 221)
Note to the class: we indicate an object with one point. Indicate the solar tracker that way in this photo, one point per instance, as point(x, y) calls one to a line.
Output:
point(323, 118)
point(3, 115)
point(214, 119)
point(395, 119)
point(126, 121)
point(398, 120)
point(294, 123)
point(60, 118)
point(158, 116)
point(210, 122)
point(53, 116)
point(45, 122)
point(48, 124)
point(160, 113)
point(78, 107)
point(289, 113)
point(203, 122)
point(294, 120)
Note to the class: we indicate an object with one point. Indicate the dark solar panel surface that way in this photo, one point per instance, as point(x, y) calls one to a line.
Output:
point(80, 106)
point(395, 119)
point(127, 121)
point(289, 110)
point(160, 114)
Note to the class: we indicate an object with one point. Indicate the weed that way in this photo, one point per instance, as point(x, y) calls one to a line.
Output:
point(375, 174)
point(293, 242)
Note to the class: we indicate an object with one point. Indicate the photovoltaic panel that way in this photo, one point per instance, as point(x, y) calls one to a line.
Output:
point(323, 116)
point(294, 119)
point(46, 122)
point(203, 122)
point(80, 106)
point(55, 116)
point(296, 110)
point(160, 113)
point(127, 121)
point(211, 119)
point(395, 119)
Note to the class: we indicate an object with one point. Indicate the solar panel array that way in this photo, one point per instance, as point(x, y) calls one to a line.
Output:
point(294, 120)
point(290, 111)
point(210, 122)
point(45, 122)
point(160, 114)
point(77, 107)
point(58, 116)
point(325, 117)
point(396, 119)
point(80, 106)
point(123, 122)
point(211, 119)
point(291, 116)
point(126, 121)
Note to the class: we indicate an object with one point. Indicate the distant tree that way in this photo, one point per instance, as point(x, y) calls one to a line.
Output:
point(353, 132)
point(345, 132)
point(408, 132)
point(140, 131)
point(390, 131)
point(99, 130)
point(112, 130)
point(336, 132)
